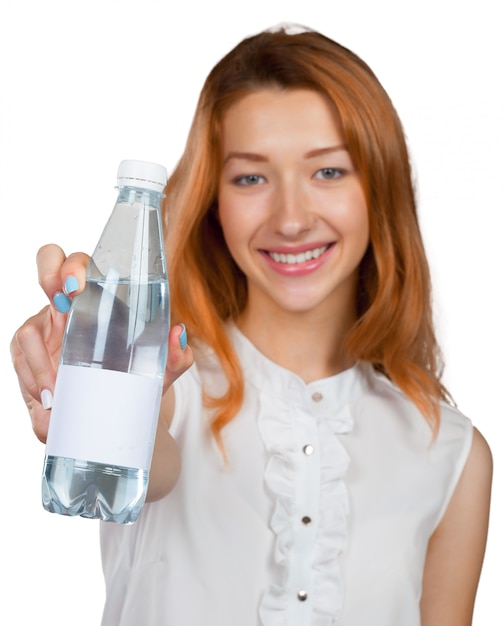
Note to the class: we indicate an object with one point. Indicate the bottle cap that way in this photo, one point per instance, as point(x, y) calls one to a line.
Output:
point(142, 174)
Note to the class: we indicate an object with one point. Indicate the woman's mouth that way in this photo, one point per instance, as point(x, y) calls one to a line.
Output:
point(297, 263)
point(301, 257)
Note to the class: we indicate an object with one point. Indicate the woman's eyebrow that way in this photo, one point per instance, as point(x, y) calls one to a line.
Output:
point(247, 156)
point(321, 151)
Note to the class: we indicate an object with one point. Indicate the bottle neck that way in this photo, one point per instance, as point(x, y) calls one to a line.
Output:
point(138, 195)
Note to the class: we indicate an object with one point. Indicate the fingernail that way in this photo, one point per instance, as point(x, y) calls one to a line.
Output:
point(183, 337)
point(61, 302)
point(47, 398)
point(71, 284)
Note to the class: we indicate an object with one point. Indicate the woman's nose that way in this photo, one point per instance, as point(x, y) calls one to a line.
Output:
point(291, 211)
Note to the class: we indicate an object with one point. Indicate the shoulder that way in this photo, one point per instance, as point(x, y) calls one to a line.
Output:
point(476, 478)
point(386, 401)
point(471, 494)
point(457, 547)
point(471, 498)
point(480, 451)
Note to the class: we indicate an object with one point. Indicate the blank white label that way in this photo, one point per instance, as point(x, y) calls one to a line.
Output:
point(104, 416)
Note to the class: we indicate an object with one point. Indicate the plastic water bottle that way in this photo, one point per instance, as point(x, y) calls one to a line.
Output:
point(110, 377)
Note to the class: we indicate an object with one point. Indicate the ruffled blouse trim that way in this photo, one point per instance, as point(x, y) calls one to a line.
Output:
point(326, 587)
point(334, 508)
point(308, 555)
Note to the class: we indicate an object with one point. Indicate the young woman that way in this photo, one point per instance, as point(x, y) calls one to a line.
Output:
point(309, 466)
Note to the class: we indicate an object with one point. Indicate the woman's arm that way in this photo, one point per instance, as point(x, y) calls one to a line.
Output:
point(456, 549)
point(165, 466)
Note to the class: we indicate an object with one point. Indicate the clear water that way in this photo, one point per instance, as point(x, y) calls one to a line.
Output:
point(119, 325)
point(93, 490)
point(122, 326)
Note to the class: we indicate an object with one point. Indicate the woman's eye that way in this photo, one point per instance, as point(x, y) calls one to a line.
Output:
point(329, 173)
point(249, 180)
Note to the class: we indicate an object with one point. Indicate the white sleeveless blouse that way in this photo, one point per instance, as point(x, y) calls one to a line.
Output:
point(321, 517)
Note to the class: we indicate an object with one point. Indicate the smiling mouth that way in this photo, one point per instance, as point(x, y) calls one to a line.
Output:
point(301, 257)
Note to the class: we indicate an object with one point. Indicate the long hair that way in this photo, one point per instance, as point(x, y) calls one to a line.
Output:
point(394, 328)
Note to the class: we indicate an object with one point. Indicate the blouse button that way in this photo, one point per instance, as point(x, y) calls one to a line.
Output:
point(317, 396)
point(302, 595)
point(308, 449)
point(306, 520)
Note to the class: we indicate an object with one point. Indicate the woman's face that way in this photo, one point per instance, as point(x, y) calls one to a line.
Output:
point(291, 204)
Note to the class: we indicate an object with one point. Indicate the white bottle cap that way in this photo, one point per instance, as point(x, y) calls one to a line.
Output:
point(142, 174)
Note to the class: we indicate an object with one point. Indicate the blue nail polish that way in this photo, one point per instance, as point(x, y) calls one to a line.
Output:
point(62, 302)
point(71, 284)
point(183, 337)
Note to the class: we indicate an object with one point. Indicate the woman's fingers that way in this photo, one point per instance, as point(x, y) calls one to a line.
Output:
point(50, 259)
point(61, 276)
point(180, 356)
point(73, 273)
point(35, 351)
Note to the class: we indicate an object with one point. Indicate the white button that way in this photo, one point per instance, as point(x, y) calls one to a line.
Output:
point(317, 396)
point(302, 595)
point(308, 449)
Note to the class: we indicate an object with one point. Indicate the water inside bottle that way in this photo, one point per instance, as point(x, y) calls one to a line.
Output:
point(120, 326)
point(93, 490)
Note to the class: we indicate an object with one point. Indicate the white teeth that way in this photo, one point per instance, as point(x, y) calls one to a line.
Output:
point(302, 257)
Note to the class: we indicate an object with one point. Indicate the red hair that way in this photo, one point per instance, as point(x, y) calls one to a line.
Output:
point(394, 328)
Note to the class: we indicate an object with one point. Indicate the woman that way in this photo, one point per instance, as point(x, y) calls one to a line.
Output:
point(308, 468)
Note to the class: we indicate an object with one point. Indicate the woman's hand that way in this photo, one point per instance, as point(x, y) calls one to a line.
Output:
point(36, 346)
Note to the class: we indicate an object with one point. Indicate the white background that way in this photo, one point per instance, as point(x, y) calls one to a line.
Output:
point(87, 84)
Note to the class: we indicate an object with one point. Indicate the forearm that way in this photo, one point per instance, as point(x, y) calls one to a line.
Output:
point(165, 466)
